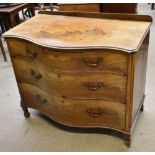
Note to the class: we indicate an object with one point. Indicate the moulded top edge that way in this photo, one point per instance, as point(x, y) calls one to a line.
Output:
point(69, 32)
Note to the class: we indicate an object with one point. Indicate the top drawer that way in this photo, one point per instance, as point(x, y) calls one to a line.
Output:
point(71, 60)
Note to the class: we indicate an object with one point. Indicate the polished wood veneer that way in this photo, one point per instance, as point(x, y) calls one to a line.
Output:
point(92, 33)
point(82, 69)
point(83, 113)
point(112, 86)
point(73, 60)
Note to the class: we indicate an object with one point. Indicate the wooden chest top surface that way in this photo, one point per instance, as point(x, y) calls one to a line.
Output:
point(60, 31)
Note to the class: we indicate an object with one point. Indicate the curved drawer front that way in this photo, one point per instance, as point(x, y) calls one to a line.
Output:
point(73, 61)
point(99, 86)
point(86, 113)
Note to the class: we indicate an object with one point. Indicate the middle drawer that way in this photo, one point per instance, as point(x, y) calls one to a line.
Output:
point(77, 86)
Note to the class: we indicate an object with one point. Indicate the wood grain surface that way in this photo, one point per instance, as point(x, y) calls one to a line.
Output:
point(82, 113)
point(79, 32)
point(140, 77)
point(92, 86)
point(84, 7)
point(71, 60)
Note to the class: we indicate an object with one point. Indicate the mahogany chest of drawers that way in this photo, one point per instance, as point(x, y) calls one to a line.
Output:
point(82, 69)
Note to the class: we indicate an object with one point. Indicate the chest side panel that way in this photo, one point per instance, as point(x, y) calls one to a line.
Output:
point(140, 77)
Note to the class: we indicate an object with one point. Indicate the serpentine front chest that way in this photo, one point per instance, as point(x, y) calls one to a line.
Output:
point(82, 69)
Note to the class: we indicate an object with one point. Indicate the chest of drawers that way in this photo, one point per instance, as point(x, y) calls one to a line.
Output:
point(82, 69)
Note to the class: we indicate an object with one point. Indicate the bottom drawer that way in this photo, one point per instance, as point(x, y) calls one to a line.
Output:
point(78, 113)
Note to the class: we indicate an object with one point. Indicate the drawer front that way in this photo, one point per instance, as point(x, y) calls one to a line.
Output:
point(99, 86)
point(74, 61)
point(86, 113)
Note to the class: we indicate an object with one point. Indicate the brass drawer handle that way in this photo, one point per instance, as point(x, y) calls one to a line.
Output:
point(35, 75)
point(41, 100)
point(95, 112)
point(92, 64)
point(31, 54)
point(92, 86)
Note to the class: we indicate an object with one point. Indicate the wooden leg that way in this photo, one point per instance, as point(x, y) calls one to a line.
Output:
point(32, 10)
point(17, 19)
point(3, 51)
point(29, 13)
point(142, 107)
point(12, 20)
point(152, 6)
point(142, 103)
point(127, 138)
point(26, 112)
point(2, 25)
